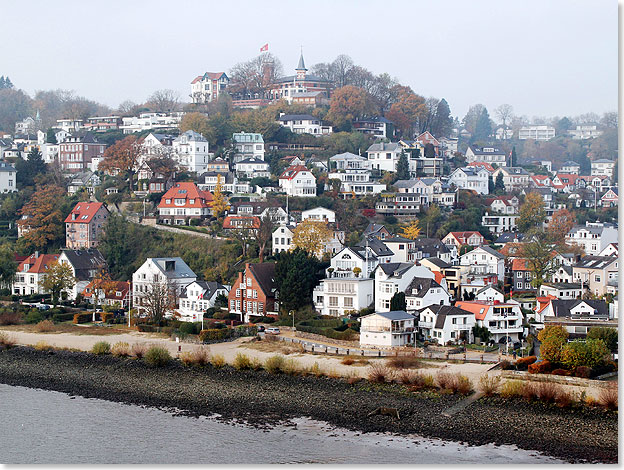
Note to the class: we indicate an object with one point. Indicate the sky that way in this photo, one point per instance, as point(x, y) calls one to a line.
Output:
point(544, 57)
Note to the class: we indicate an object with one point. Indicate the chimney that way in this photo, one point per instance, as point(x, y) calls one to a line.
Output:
point(36, 255)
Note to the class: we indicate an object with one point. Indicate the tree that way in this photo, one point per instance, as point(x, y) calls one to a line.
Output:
point(408, 110)
point(403, 172)
point(539, 257)
point(297, 273)
point(532, 213)
point(553, 331)
point(158, 300)
point(397, 302)
point(504, 112)
point(491, 185)
point(219, 201)
point(199, 123)
point(483, 126)
point(587, 353)
point(44, 224)
point(264, 235)
point(58, 278)
point(499, 184)
point(472, 116)
point(15, 105)
point(311, 236)
point(347, 104)
point(8, 266)
point(51, 136)
point(443, 122)
point(560, 224)
point(251, 78)
point(163, 101)
point(28, 169)
point(411, 231)
point(481, 332)
point(608, 335)
point(123, 156)
point(514, 157)
point(101, 286)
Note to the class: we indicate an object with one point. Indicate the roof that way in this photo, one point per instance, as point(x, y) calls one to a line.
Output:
point(181, 269)
point(84, 261)
point(373, 228)
point(561, 308)
point(36, 264)
point(384, 146)
point(514, 170)
point(292, 171)
point(376, 246)
point(604, 160)
point(507, 237)
point(484, 165)
point(192, 136)
point(420, 286)
point(308, 78)
point(395, 315)
point(253, 221)
point(252, 160)
point(596, 262)
point(519, 264)
point(484, 288)
point(83, 212)
point(397, 239)
point(563, 285)
point(4, 166)
point(393, 269)
point(115, 286)
point(479, 150)
point(463, 235)
point(438, 262)
point(347, 156)
point(264, 273)
point(374, 119)
point(443, 311)
point(189, 192)
point(298, 117)
point(209, 288)
point(491, 251)
point(210, 75)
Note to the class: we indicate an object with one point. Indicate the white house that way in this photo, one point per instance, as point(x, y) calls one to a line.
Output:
point(172, 273)
point(319, 214)
point(247, 145)
point(365, 259)
point(377, 126)
point(443, 324)
point(473, 178)
point(593, 237)
point(282, 238)
point(384, 156)
point(208, 87)
point(484, 260)
point(503, 320)
point(84, 264)
point(491, 155)
point(489, 294)
point(304, 124)
point(298, 181)
point(31, 273)
point(151, 121)
point(402, 249)
point(536, 133)
point(603, 167)
point(190, 151)
point(387, 329)
point(8, 178)
point(585, 132)
point(251, 168)
point(356, 182)
point(197, 297)
point(391, 278)
point(513, 177)
point(570, 168)
point(340, 296)
point(349, 161)
point(421, 293)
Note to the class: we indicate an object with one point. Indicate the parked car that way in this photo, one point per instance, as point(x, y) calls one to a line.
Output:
point(261, 328)
point(273, 330)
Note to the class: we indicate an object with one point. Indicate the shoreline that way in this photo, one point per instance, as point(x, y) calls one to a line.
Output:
point(262, 400)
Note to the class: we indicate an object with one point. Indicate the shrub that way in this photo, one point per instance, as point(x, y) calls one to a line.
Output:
point(489, 385)
point(101, 347)
point(61, 317)
point(584, 353)
point(404, 362)
point(33, 316)
point(187, 328)
point(214, 334)
point(11, 318)
point(542, 367)
point(142, 328)
point(45, 326)
point(506, 365)
point(529, 391)
point(347, 361)
point(139, 350)
point(407, 377)
point(217, 360)
point(82, 318)
point(564, 399)
point(241, 362)
point(460, 384)
point(186, 358)
point(157, 356)
point(608, 335)
point(274, 364)
point(315, 370)
point(561, 372)
point(524, 362)
point(552, 349)
point(120, 349)
point(608, 397)
point(444, 380)
point(583, 372)
point(378, 373)
point(256, 364)
point(512, 388)
point(290, 367)
point(553, 331)
point(42, 346)
point(547, 391)
point(7, 340)
point(201, 356)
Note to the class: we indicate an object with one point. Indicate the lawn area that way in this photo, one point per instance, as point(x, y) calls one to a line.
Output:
point(274, 345)
point(69, 327)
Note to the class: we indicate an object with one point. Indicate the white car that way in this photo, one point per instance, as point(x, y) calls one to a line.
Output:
point(272, 331)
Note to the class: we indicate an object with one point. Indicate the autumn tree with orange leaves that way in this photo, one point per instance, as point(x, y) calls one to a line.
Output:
point(123, 156)
point(561, 223)
point(407, 110)
point(349, 103)
point(44, 224)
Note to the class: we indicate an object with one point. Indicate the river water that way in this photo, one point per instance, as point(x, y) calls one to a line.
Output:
point(41, 426)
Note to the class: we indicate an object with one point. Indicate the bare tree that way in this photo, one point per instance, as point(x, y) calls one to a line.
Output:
point(160, 298)
point(610, 120)
point(264, 234)
point(340, 68)
point(164, 101)
point(504, 112)
point(243, 235)
point(127, 108)
point(254, 77)
point(361, 77)
point(382, 91)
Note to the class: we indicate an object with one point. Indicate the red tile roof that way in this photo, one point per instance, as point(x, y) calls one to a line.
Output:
point(244, 221)
point(292, 171)
point(38, 264)
point(478, 307)
point(519, 264)
point(83, 212)
point(211, 75)
point(116, 286)
point(189, 192)
point(485, 165)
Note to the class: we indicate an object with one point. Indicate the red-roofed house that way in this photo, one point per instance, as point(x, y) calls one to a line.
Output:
point(254, 292)
point(207, 87)
point(503, 204)
point(31, 272)
point(521, 276)
point(113, 293)
point(298, 181)
point(502, 319)
point(484, 165)
point(184, 202)
point(460, 239)
point(540, 181)
point(236, 222)
point(84, 224)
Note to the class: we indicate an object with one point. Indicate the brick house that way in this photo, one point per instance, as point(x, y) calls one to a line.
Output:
point(254, 293)
point(84, 225)
point(77, 152)
point(184, 202)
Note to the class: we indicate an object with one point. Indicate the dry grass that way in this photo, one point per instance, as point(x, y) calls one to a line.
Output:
point(274, 364)
point(530, 391)
point(512, 388)
point(217, 360)
point(444, 380)
point(186, 358)
point(120, 349)
point(139, 350)
point(42, 346)
point(333, 374)
point(101, 348)
point(275, 346)
point(7, 340)
point(404, 362)
point(256, 364)
point(406, 377)
point(547, 392)
point(461, 384)
point(379, 373)
point(242, 362)
point(201, 356)
point(489, 385)
point(565, 399)
point(72, 329)
point(354, 360)
point(608, 397)
point(45, 326)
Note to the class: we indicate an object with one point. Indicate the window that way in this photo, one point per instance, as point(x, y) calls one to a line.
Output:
point(520, 274)
point(597, 278)
point(348, 302)
point(519, 285)
point(237, 292)
point(333, 301)
point(249, 281)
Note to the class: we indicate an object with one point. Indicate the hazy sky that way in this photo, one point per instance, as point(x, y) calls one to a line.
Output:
point(544, 57)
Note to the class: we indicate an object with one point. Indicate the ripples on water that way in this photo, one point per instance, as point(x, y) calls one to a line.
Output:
point(50, 427)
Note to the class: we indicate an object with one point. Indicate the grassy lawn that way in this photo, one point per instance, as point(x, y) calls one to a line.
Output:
point(68, 327)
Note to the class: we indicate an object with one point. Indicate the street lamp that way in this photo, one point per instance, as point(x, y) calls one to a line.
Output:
point(292, 312)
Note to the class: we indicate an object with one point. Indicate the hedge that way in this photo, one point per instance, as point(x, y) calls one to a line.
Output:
point(222, 334)
point(83, 317)
point(61, 317)
point(542, 367)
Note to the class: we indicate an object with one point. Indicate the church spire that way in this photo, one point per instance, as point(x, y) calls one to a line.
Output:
point(301, 65)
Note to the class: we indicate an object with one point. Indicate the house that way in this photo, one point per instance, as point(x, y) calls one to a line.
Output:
point(340, 296)
point(69, 125)
point(85, 180)
point(155, 146)
point(208, 87)
point(540, 181)
point(451, 274)
point(443, 324)
point(483, 260)
point(486, 166)
point(282, 238)
point(561, 290)
point(593, 237)
point(509, 238)
point(102, 123)
point(252, 167)
point(154, 178)
point(377, 126)
point(402, 249)
point(349, 161)
point(191, 151)
point(487, 154)
point(172, 274)
point(112, 293)
point(84, 264)
point(571, 168)
point(319, 214)
point(513, 177)
point(247, 145)
point(596, 273)
point(376, 247)
point(503, 204)
point(353, 262)
point(610, 250)
point(472, 178)
point(563, 274)
point(498, 223)
point(254, 293)
point(387, 329)
point(448, 146)
point(197, 297)
point(161, 122)
point(391, 278)
point(384, 156)
point(503, 133)
point(490, 294)
point(304, 124)
point(31, 272)
point(603, 167)
point(241, 222)
point(298, 181)
point(585, 132)
point(85, 224)
point(422, 292)
point(378, 231)
point(521, 276)
point(503, 320)
point(8, 178)
point(576, 316)
point(423, 248)
point(184, 202)
point(302, 84)
point(310, 98)
point(355, 183)
point(77, 152)
point(259, 209)
point(536, 133)
point(459, 239)
point(412, 197)
point(218, 165)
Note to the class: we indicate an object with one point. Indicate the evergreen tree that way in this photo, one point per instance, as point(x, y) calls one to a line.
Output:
point(443, 123)
point(499, 186)
point(7, 82)
point(2, 82)
point(490, 184)
point(296, 275)
point(514, 157)
point(429, 151)
point(483, 128)
point(403, 172)
point(27, 170)
point(397, 302)
point(51, 137)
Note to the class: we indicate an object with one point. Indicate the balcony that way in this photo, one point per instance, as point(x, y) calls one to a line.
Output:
point(510, 330)
point(425, 324)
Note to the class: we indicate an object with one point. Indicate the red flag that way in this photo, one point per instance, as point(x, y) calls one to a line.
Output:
point(265, 47)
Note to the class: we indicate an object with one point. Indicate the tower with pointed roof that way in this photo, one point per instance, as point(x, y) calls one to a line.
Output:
point(301, 69)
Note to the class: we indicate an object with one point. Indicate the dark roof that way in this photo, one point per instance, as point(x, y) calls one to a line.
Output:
point(491, 251)
point(509, 237)
point(374, 119)
point(595, 262)
point(308, 78)
point(420, 286)
point(432, 246)
point(395, 315)
point(298, 117)
point(562, 308)
point(373, 228)
point(563, 285)
point(210, 287)
point(377, 246)
point(442, 311)
point(479, 150)
point(391, 268)
point(438, 262)
point(84, 261)
point(397, 239)
point(265, 275)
